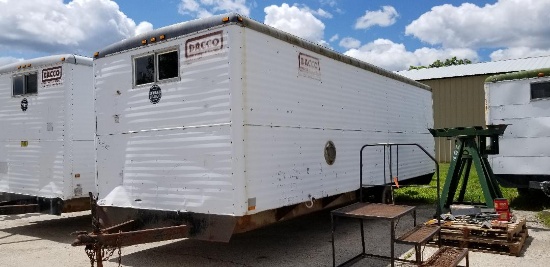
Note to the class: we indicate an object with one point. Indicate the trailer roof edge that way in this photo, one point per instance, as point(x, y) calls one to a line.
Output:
point(188, 27)
point(47, 60)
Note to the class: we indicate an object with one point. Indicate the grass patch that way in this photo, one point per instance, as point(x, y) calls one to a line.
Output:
point(535, 201)
point(544, 217)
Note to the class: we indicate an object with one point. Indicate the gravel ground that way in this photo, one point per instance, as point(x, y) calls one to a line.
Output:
point(44, 240)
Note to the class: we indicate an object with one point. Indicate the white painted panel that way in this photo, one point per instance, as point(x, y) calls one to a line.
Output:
point(523, 147)
point(81, 104)
point(533, 109)
point(341, 97)
point(187, 170)
point(46, 107)
point(55, 116)
point(266, 121)
point(81, 177)
point(516, 92)
point(289, 117)
point(286, 165)
point(531, 165)
point(200, 97)
point(35, 170)
point(526, 127)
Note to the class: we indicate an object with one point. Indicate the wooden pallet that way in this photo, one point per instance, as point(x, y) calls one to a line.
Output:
point(502, 238)
point(498, 229)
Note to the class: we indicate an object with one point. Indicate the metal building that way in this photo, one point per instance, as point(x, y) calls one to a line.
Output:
point(458, 94)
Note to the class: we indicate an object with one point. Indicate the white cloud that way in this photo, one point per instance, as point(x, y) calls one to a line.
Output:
point(518, 52)
point(384, 53)
point(349, 43)
point(50, 26)
point(507, 23)
point(325, 44)
point(8, 60)
point(143, 27)
point(295, 20)
point(334, 38)
point(322, 13)
point(318, 13)
point(394, 56)
point(427, 56)
point(206, 8)
point(383, 18)
point(331, 3)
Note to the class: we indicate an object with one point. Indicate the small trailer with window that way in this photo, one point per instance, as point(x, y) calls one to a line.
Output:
point(226, 125)
point(47, 161)
point(522, 100)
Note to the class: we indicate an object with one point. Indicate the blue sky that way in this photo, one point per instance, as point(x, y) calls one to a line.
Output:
point(393, 34)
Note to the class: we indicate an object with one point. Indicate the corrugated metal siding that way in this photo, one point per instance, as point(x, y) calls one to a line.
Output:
point(266, 123)
point(173, 155)
point(187, 170)
point(525, 145)
point(201, 98)
point(60, 114)
point(37, 169)
point(493, 67)
point(457, 102)
point(290, 117)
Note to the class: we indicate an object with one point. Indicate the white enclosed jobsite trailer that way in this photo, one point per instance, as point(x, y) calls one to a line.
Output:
point(47, 157)
point(233, 124)
point(522, 100)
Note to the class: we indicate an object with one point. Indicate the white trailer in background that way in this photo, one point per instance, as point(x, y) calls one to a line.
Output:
point(521, 99)
point(231, 124)
point(47, 150)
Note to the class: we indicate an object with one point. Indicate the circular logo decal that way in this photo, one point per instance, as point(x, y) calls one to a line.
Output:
point(24, 104)
point(155, 94)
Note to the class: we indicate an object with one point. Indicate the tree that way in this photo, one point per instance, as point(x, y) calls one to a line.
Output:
point(448, 62)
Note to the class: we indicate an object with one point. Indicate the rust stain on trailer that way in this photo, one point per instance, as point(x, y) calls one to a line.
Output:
point(260, 219)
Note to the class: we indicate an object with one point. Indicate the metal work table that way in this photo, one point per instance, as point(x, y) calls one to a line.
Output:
point(362, 211)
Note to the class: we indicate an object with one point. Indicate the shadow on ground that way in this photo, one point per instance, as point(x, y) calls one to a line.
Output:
point(57, 229)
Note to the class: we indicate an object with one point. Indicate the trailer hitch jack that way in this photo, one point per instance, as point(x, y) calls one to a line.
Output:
point(100, 244)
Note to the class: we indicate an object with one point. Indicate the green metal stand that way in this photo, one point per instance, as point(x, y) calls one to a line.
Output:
point(473, 144)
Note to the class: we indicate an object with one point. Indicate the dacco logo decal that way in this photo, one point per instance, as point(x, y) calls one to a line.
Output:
point(52, 74)
point(309, 66)
point(204, 44)
point(24, 104)
point(155, 94)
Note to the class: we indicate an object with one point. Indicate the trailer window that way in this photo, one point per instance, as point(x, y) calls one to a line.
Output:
point(156, 67)
point(145, 69)
point(540, 90)
point(168, 65)
point(25, 84)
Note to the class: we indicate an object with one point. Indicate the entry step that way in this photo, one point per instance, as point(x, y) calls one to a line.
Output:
point(447, 256)
point(419, 235)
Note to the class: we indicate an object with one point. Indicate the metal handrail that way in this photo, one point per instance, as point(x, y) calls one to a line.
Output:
point(397, 145)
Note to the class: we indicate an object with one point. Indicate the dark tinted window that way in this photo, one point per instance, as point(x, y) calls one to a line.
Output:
point(19, 85)
point(145, 69)
point(168, 65)
point(31, 83)
point(540, 90)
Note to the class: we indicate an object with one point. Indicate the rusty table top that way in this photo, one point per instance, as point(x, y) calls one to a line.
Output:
point(373, 211)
